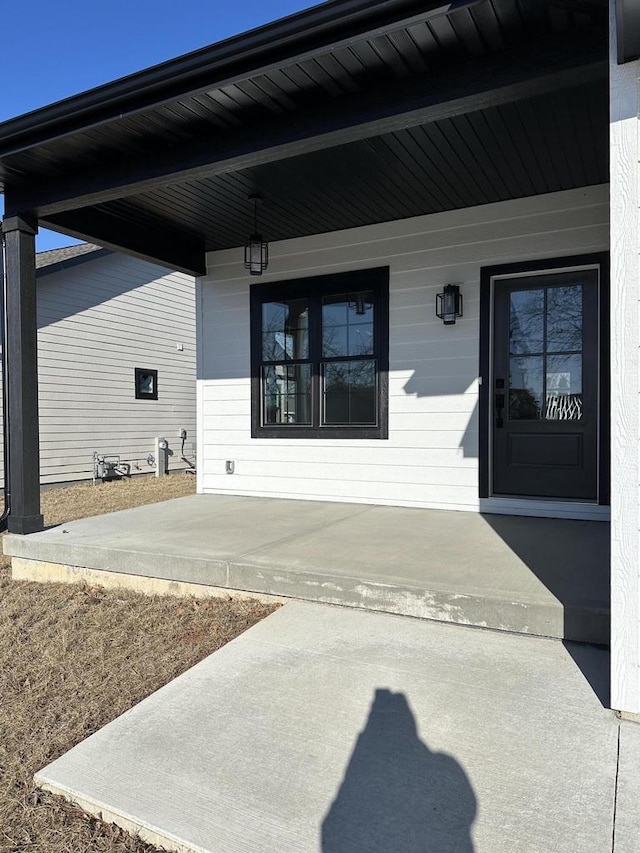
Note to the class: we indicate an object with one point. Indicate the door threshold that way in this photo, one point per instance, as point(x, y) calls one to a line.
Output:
point(541, 508)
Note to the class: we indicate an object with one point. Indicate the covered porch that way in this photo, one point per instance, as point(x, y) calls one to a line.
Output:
point(541, 576)
point(443, 142)
point(484, 121)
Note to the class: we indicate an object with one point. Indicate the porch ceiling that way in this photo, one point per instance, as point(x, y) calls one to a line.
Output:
point(348, 114)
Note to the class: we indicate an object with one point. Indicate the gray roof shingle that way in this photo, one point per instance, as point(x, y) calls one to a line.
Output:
point(53, 257)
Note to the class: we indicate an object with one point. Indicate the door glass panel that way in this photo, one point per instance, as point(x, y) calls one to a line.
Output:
point(285, 330)
point(526, 387)
point(547, 321)
point(564, 388)
point(286, 390)
point(564, 319)
point(526, 321)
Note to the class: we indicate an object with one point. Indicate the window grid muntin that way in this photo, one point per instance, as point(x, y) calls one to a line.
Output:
point(545, 353)
point(376, 281)
point(316, 360)
point(287, 395)
point(376, 391)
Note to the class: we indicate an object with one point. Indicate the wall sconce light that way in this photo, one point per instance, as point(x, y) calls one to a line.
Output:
point(256, 250)
point(449, 304)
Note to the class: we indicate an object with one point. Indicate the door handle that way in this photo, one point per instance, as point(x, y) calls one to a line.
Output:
point(499, 404)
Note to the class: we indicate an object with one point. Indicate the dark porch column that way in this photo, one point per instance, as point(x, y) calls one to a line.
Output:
point(22, 375)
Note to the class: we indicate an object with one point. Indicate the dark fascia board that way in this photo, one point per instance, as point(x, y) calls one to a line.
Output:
point(547, 66)
point(73, 262)
point(628, 30)
point(256, 51)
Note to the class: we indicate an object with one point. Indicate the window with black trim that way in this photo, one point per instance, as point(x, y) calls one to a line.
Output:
point(146, 384)
point(320, 356)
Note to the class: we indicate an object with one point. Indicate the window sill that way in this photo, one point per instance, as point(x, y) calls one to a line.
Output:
point(298, 432)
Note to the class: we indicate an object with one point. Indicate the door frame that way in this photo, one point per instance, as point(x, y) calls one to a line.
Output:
point(488, 277)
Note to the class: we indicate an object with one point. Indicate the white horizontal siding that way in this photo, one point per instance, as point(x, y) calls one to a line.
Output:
point(431, 456)
point(97, 321)
point(625, 378)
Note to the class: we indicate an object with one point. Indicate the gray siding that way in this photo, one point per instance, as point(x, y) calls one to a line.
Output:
point(97, 321)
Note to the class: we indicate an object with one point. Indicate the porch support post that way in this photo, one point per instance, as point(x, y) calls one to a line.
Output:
point(625, 380)
point(22, 375)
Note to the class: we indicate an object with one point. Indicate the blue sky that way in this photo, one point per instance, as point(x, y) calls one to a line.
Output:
point(51, 50)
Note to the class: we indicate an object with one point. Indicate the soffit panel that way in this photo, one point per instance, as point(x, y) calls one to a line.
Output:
point(520, 146)
point(539, 145)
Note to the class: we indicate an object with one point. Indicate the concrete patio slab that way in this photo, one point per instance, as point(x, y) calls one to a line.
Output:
point(531, 575)
point(327, 730)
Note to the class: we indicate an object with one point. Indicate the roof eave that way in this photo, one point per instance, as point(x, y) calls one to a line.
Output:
point(216, 64)
point(67, 263)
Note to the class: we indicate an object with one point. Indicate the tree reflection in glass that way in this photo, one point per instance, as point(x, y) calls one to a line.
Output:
point(349, 386)
point(347, 324)
point(349, 392)
point(545, 353)
point(285, 330)
point(564, 319)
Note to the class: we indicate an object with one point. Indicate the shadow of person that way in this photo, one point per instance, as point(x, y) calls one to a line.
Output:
point(396, 794)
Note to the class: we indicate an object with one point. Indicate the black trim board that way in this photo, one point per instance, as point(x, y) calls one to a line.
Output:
point(485, 390)
point(376, 279)
point(605, 381)
point(628, 30)
point(139, 373)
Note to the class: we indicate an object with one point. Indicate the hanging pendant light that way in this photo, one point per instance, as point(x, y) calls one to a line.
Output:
point(359, 304)
point(256, 250)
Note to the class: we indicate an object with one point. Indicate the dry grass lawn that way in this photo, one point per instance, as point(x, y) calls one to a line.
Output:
point(74, 658)
point(84, 499)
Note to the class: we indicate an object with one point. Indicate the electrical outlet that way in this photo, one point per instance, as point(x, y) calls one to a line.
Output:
point(182, 433)
point(229, 466)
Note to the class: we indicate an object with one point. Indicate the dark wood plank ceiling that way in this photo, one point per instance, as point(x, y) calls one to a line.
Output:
point(528, 145)
point(535, 146)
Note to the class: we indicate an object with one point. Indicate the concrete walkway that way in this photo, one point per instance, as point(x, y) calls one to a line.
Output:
point(329, 730)
point(532, 575)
